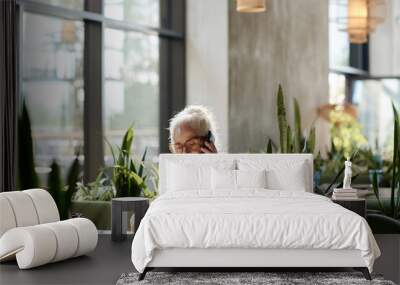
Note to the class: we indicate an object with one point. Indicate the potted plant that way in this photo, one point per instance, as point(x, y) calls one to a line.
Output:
point(128, 175)
point(387, 218)
point(125, 178)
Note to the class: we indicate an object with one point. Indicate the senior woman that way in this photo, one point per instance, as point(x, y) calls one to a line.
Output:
point(192, 130)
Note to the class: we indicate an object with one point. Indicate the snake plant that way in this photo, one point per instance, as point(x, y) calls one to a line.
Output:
point(128, 175)
point(27, 176)
point(291, 141)
point(394, 205)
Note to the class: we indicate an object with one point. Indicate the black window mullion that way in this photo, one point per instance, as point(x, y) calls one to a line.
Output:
point(93, 107)
point(172, 67)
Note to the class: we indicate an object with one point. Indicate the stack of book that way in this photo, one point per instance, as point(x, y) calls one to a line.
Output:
point(344, 194)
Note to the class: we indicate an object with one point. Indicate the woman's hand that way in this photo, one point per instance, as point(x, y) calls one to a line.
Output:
point(209, 147)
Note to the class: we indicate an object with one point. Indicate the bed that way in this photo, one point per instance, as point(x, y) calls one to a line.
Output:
point(247, 211)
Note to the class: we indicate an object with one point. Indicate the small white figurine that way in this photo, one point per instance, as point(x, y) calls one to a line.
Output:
point(347, 175)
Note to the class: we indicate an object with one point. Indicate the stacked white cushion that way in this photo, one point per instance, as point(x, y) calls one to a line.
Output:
point(23, 208)
point(87, 235)
point(7, 219)
point(31, 232)
point(46, 208)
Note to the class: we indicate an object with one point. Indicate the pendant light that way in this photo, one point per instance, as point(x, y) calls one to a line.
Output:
point(362, 18)
point(250, 6)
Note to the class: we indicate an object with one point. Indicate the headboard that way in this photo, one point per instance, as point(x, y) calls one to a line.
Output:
point(204, 159)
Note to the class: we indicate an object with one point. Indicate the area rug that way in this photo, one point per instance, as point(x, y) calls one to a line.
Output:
point(229, 278)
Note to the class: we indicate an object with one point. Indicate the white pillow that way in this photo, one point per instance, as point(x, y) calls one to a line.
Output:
point(251, 178)
point(281, 174)
point(294, 179)
point(193, 174)
point(182, 177)
point(228, 179)
point(223, 179)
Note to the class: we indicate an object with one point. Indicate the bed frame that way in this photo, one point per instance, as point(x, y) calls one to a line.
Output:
point(256, 259)
point(246, 259)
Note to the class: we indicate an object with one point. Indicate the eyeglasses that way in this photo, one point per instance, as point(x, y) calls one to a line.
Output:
point(191, 145)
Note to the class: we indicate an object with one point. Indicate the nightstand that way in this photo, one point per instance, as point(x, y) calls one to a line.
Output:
point(356, 205)
point(138, 205)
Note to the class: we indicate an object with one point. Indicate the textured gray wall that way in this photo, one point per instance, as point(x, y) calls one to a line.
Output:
point(288, 44)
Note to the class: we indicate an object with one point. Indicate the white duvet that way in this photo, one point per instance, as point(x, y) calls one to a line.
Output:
point(250, 219)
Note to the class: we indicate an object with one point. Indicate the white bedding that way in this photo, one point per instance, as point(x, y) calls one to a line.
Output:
point(251, 218)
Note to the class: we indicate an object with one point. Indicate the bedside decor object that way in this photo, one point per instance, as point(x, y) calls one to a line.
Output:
point(31, 231)
point(345, 193)
point(138, 205)
point(357, 206)
point(347, 175)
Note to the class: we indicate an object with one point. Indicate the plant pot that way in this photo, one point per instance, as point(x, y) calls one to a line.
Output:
point(99, 212)
point(381, 224)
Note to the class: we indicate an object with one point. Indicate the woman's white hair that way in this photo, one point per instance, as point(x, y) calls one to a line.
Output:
point(197, 117)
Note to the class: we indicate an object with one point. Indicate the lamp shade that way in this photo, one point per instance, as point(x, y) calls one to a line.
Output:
point(251, 6)
point(357, 25)
point(362, 18)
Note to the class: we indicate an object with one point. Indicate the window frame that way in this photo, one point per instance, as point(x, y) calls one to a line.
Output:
point(171, 66)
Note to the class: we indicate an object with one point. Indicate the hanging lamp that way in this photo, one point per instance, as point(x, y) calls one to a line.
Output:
point(251, 6)
point(362, 18)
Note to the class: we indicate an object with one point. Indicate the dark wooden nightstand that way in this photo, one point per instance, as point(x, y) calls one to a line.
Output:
point(138, 205)
point(356, 205)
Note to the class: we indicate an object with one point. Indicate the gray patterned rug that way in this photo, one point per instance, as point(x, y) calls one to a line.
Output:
point(225, 278)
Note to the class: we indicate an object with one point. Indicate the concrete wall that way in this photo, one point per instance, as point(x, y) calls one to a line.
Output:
point(385, 43)
point(288, 44)
point(207, 60)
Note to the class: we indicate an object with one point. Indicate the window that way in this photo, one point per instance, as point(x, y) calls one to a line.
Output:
point(373, 99)
point(339, 44)
point(146, 12)
point(70, 4)
point(132, 89)
point(52, 87)
point(337, 88)
point(88, 76)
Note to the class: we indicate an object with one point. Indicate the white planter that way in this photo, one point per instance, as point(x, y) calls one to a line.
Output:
point(389, 262)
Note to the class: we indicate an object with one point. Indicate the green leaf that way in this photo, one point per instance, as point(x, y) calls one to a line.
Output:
point(282, 122)
point(375, 187)
point(133, 167)
point(269, 146)
point(27, 176)
point(297, 127)
point(137, 178)
point(111, 149)
point(125, 150)
point(72, 178)
point(141, 167)
point(55, 188)
point(311, 140)
point(289, 143)
point(395, 161)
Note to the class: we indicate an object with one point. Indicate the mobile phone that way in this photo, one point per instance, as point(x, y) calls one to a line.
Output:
point(210, 138)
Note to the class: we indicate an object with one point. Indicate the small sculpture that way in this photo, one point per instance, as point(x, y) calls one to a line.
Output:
point(347, 175)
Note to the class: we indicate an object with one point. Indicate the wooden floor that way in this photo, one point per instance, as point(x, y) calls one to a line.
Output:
point(103, 266)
